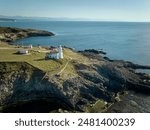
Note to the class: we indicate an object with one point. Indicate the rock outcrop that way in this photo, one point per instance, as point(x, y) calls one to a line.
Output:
point(8, 34)
point(22, 85)
point(90, 82)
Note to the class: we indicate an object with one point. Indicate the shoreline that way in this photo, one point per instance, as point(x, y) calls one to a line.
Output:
point(89, 83)
point(9, 34)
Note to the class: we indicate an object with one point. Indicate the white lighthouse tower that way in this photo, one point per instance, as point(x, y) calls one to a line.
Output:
point(60, 52)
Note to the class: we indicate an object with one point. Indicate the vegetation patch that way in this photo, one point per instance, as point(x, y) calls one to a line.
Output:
point(99, 106)
point(35, 59)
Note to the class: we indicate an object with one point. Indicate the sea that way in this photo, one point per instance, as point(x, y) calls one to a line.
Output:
point(128, 41)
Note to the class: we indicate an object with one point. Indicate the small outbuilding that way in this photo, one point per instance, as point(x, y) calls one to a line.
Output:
point(53, 55)
point(23, 52)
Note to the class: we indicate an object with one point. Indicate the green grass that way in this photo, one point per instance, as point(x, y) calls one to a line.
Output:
point(99, 106)
point(76, 56)
point(35, 59)
point(4, 44)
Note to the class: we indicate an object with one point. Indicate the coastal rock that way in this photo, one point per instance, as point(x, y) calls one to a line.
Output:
point(94, 51)
point(133, 103)
point(89, 83)
point(8, 34)
point(22, 85)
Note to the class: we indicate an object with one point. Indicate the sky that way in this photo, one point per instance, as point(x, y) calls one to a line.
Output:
point(112, 10)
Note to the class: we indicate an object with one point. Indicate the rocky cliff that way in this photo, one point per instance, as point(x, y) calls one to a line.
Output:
point(95, 88)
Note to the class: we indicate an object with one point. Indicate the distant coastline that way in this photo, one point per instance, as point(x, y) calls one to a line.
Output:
point(7, 20)
point(32, 18)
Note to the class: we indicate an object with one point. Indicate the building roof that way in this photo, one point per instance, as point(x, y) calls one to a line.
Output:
point(53, 52)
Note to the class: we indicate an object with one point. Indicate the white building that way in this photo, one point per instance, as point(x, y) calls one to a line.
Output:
point(56, 54)
point(60, 52)
point(23, 52)
point(53, 55)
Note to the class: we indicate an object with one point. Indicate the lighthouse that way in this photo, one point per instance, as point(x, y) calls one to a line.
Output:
point(60, 52)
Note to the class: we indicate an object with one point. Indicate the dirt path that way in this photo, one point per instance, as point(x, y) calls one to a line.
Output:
point(64, 66)
point(58, 73)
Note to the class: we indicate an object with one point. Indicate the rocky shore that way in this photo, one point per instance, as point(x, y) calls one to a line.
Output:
point(8, 34)
point(91, 83)
point(103, 81)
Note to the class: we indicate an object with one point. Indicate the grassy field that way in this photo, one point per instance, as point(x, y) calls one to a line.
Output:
point(34, 58)
point(8, 53)
point(4, 44)
point(76, 56)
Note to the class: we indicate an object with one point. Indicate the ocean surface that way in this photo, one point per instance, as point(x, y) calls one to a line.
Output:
point(121, 40)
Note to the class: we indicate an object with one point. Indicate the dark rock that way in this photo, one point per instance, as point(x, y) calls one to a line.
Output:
point(95, 51)
point(99, 79)
point(12, 34)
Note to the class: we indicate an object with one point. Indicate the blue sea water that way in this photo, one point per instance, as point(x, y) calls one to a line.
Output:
point(121, 40)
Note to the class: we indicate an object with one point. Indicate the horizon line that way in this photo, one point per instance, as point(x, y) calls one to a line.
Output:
point(71, 19)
